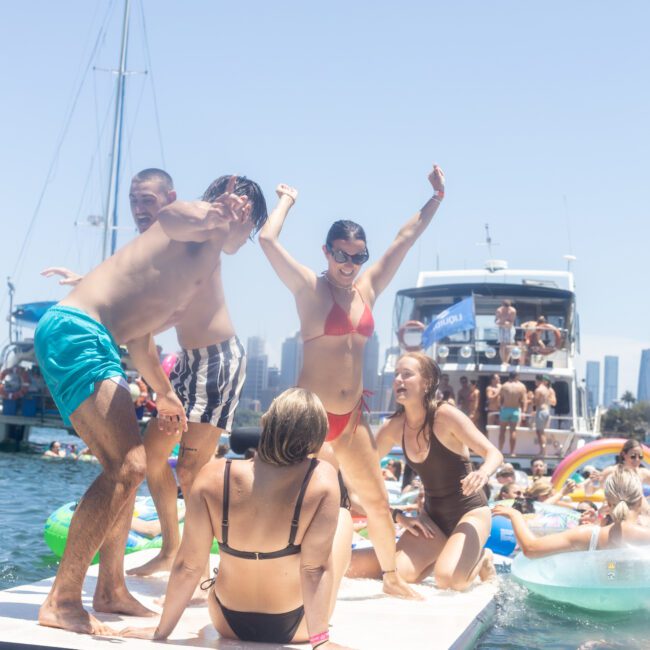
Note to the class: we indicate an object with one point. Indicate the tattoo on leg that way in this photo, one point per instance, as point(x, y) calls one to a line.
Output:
point(184, 448)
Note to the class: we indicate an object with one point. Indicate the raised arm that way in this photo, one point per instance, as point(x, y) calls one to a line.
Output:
point(452, 419)
point(199, 221)
point(316, 571)
point(381, 272)
point(171, 414)
point(574, 539)
point(293, 274)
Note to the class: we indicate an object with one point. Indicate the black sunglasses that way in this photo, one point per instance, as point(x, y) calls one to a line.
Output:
point(342, 257)
point(636, 456)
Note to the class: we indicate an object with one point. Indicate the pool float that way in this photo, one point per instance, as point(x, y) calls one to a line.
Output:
point(612, 580)
point(58, 524)
point(546, 519)
point(588, 452)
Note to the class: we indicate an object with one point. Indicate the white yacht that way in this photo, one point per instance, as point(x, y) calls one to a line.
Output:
point(474, 353)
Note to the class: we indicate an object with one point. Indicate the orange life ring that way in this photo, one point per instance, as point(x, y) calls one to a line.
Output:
point(410, 325)
point(25, 383)
point(547, 349)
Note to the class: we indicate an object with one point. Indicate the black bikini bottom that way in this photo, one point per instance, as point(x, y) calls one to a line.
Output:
point(263, 628)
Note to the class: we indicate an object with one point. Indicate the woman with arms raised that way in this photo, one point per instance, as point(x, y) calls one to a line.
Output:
point(336, 321)
point(448, 536)
point(267, 589)
point(624, 495)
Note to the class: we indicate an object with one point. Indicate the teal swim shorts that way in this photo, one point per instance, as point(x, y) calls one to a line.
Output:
point(74, 352)
point(509, 415)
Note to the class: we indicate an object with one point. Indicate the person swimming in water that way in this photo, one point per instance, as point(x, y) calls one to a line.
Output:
point(448, 537)
point(335, 311)
point(267, 589)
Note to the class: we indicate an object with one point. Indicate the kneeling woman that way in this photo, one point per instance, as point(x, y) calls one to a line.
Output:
point(624, 495)
point(276, 517)
point(448, 536)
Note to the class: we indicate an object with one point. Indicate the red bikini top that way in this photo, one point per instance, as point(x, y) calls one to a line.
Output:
point(338, 322)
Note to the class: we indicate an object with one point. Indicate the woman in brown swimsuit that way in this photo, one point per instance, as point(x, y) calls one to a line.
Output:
point(448, 536)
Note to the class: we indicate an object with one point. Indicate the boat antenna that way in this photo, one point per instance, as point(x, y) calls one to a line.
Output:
point(488, 240)
point(110, 222)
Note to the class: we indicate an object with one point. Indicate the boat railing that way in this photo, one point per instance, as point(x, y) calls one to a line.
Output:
point(525, 351)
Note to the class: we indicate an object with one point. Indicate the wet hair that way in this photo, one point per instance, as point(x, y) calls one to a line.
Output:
point(243, 187)
point(628, 446)
point(623, 490)
point(294, 427)
point(430, 372)
point(395, 467)
point(151, 174)
point(345, 230)
point(512, 376)
point(54, 442)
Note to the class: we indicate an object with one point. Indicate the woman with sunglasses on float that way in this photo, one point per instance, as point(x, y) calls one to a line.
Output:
point(335, 311)
point(630, 457)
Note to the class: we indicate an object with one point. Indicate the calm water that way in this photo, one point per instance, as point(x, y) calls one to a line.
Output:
point(33, 487)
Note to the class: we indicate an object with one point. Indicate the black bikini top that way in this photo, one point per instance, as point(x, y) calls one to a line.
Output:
point(290, 548)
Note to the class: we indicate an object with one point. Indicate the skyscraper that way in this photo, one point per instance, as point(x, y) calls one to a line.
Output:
point(610, 392)
point(256, 373)
point(593, 386)
point(291, 361)
point(643, 390)
point(370, 368)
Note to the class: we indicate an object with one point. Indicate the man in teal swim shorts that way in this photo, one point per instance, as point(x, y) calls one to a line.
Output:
point(513, 402)
point(143, 289)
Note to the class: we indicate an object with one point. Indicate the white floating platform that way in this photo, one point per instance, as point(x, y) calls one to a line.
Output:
point(364, 618)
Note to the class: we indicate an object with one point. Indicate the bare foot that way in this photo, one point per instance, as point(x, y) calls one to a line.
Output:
point(156, 564)
point(487, 571)
point(72, 617)
point(120, 601)
point(395, 585)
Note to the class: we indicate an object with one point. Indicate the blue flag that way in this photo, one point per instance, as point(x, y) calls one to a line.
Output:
point(458, 318)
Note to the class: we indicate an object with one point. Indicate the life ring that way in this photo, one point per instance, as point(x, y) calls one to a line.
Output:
point(547, 349)
point(410, 325)
point(23, 375)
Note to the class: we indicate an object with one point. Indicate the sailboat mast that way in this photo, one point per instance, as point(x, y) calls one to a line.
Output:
point(110, 220)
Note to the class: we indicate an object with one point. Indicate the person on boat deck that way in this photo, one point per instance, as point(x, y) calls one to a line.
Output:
point(446, 390)
point(468, 399)
point(54, 450)
point(335, 311)
point(541, 398)
point(505, 317)
point(492, 404)
point(447, 539)
point(266, 590)
point(128, 297)
point(512, 398)
point(209, 373)
point(624, 495)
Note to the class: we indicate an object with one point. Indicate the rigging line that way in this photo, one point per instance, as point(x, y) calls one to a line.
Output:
point(57, 151)
point(568, 222)
point(153, 85)
point(135, 121)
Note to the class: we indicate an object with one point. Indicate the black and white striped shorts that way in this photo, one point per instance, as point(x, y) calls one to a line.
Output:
point(208, 381)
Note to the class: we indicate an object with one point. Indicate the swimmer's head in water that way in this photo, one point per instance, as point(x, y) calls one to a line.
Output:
point(294, 427)
point(151, 190)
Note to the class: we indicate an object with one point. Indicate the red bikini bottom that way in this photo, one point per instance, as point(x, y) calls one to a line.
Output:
point(339, 422)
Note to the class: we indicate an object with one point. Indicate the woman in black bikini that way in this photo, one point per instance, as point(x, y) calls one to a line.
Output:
point(448, 536)
point(275, 517)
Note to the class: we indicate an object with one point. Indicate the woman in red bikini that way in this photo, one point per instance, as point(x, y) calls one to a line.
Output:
point(335, 322)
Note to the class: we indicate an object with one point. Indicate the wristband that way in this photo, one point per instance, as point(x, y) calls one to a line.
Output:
point(439, 195)
point(395, 512)
point(319, 639)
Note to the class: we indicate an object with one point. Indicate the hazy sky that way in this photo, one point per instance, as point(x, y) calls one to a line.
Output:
point(538, 113)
